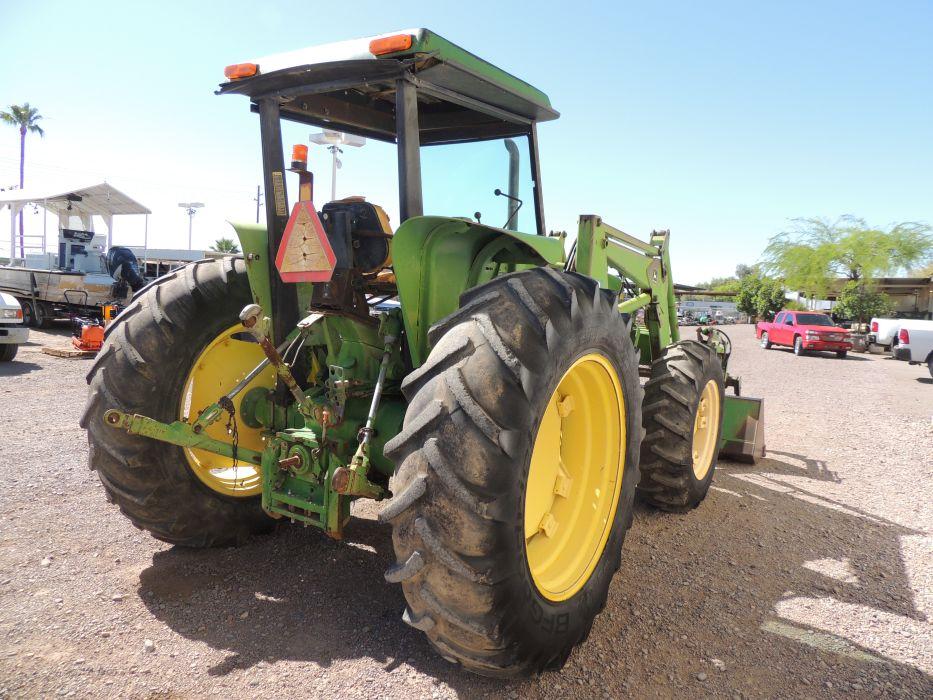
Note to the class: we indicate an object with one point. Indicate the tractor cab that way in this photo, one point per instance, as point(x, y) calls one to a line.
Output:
point(465, 133)
point(412, 88)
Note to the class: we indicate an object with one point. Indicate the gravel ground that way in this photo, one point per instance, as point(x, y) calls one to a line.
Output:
point(810, 574)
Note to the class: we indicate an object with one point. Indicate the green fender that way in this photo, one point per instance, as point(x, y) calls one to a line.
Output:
point(437, 258)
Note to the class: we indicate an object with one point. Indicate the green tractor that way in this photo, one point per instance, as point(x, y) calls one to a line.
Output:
point(482, 380)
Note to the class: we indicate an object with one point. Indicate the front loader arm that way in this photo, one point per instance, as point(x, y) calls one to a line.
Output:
point(601, 248)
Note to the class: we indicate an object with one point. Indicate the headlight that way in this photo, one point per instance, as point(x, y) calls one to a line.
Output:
point(813, 335)
point(11, 313)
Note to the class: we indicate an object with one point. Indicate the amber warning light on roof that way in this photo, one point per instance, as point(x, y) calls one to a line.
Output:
point(390, 44)
point(240, 70)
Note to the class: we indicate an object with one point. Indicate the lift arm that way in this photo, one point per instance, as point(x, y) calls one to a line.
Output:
point(603, 250)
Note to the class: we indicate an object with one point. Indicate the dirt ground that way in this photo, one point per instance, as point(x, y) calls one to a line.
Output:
point(809, 574)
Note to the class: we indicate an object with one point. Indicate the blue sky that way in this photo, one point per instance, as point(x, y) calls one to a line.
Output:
point(718, 120)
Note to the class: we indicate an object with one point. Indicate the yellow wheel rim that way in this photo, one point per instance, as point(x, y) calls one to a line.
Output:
point(575, 477)
point(705, 428)
point(219, 367)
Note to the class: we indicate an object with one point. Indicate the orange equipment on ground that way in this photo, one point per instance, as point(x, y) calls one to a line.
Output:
point(91, 337)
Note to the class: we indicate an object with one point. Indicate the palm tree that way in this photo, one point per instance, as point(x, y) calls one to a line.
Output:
point(225, 245)
point(26, 118)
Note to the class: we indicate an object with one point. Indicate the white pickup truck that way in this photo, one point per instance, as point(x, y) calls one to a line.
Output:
point(12, 331)
point(883, 332)
point(915, 343)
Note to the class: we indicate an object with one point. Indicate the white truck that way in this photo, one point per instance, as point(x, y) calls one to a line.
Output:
point(883, 332)
point(12, 331)
point(915, 343)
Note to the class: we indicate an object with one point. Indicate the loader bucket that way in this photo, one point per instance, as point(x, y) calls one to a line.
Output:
point(743, 429)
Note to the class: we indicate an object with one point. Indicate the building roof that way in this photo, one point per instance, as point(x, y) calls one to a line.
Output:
point(95, 200)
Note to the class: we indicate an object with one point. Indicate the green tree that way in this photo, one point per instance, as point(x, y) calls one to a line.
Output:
point(859, 301)
point(747, 294)
point(24, 118)
point(769, 299)
point(225, 245)
point(727, 284)
point(742, 270)
point(816, 251)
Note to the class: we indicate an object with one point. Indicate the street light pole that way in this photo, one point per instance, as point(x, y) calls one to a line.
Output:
point(334, 150)
point(191, 208)
point(333, 140)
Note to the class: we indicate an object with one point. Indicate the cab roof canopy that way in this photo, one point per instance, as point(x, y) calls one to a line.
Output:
point(351, 86)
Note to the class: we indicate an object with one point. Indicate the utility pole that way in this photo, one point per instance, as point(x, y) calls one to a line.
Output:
point(191, 208)
point(258, 201)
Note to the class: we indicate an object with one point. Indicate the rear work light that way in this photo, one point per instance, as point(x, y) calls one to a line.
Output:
point(874, 326)
point(903, 336)
point(390, 44)
point(240, 70)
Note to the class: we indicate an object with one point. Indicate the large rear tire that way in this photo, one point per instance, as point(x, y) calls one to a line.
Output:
point(683, 420)
point(488, 441)
point(149, 351)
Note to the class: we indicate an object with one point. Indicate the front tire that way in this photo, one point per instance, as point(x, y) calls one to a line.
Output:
point(798, 346)
point(682, 412)
point(142, 367)
point(469, 477)
point(765, 342)
point(8, 352)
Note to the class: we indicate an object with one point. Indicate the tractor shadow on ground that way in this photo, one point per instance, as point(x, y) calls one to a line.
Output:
point(815, 469)
point(17, 367)
point(836, 529)
point(925, 380)
point(714, 582)
point(767, 573)
point(294, 595)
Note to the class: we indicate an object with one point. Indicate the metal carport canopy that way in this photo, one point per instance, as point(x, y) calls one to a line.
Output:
point(96, 200)
point(102, 200)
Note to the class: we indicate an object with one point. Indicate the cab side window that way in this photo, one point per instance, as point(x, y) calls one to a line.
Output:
point(789, 320)
point(779, 318)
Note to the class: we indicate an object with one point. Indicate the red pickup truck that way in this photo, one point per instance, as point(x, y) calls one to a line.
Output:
point(804, 330)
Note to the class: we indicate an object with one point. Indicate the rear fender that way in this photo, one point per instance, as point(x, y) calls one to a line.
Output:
point(437, 258)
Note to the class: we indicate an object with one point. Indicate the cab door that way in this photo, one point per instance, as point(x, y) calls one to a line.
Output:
point(776, 327)
point(787, 329)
